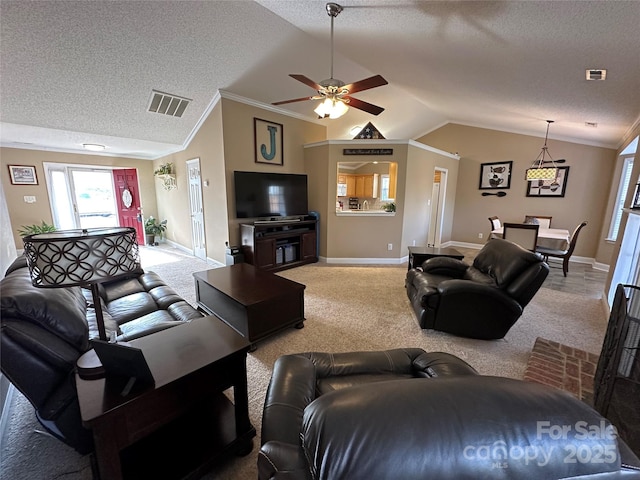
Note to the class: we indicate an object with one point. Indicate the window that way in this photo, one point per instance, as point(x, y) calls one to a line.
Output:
point(623, 187)
point(384, 187)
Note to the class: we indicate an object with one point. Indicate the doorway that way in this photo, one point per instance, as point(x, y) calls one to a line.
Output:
point(436, 213)
point(196, 207)
point(85, 197)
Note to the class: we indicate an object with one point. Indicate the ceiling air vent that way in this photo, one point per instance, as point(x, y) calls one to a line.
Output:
point(168, 104)
point(596, 74)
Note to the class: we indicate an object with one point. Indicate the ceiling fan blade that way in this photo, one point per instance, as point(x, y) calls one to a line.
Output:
point(362, 105)
point(302, 99)
point(366, 84)
point(306, 81)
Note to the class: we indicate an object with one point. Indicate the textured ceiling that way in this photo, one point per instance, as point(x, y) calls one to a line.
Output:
point(82, 72)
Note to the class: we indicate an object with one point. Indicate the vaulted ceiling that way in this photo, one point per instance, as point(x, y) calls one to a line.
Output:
point(83, 72)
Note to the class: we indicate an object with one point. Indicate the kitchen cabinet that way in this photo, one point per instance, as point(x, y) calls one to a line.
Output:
point(351, 185)
point(393, 177)
point(361, 186)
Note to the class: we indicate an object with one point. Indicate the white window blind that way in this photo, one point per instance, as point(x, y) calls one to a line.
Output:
point(623, 187)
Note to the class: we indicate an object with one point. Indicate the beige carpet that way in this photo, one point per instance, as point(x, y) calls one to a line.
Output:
point(347, 308)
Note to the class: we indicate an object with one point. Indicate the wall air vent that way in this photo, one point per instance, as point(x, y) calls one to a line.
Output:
point(168, 104)
point(596, 74)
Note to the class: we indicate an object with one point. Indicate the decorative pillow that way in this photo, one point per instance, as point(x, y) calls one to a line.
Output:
point(531, 220)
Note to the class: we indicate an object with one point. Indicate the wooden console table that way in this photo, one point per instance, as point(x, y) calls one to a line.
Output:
point(182, 425)
point(277, 245)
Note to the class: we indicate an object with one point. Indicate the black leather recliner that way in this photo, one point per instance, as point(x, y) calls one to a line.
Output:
point(482, 300)
point(407, 414)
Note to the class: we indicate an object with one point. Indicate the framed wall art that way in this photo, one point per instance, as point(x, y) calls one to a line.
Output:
point(495, 175)
point(268, 137)
point(549, 188)
point(23, 175)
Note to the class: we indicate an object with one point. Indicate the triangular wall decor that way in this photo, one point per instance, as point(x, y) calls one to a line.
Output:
point(369, 132)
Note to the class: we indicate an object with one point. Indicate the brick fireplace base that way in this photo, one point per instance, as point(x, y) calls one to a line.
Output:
point(560, 366)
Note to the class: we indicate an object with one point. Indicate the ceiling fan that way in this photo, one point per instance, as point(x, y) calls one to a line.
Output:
point(335, 93)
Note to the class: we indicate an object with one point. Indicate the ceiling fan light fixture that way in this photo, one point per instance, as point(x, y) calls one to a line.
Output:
point(331, 108)
point(538, 171)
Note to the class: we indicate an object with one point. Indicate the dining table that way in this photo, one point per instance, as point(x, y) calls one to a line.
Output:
point(552, 238)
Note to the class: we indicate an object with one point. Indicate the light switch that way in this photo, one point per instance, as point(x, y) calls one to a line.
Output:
point(29, 199)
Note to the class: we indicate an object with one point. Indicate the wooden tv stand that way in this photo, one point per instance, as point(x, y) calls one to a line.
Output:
point(275, 246)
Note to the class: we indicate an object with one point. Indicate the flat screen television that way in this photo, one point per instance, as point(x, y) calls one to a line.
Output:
point(270, 195)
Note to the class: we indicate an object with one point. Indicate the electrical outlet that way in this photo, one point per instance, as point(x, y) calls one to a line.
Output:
point(389, 246)
point(480, 235)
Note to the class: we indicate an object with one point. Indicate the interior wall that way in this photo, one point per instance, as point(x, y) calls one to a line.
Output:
point(363, 237)
point(173, 205)
point(588, 184)
point(421, 166)
point(316, 166)
point(22, 213)
point(239, 152)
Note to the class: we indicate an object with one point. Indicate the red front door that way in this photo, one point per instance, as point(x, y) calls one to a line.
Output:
point(128, 198)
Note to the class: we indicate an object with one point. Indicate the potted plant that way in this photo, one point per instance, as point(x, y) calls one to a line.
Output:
point(389, 207)
point(164, 169)
point(152, 228)
point(35, 229)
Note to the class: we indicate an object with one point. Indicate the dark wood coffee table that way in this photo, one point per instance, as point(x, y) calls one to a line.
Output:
point(254, 302)
point(417, 255)
point(184, 423)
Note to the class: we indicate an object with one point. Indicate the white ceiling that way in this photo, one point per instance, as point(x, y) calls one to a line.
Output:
point(82, 72)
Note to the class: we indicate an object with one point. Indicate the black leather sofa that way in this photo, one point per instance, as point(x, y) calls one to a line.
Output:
point(45, 331)
point(482, 300)
point(407, 414)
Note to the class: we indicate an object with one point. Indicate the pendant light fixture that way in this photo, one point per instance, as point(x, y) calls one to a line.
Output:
point(538, 171)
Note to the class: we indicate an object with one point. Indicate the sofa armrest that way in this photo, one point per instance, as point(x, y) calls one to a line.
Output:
point(445, 266)
point(440, 364)
point(292, 388)
point(277, 460)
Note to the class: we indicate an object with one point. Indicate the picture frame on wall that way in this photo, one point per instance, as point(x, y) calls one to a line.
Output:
point(23, 175)
point(495, 176)
point(269, 141)
point(549, 188)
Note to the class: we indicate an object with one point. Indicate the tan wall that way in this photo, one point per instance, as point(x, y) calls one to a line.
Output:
point(225, 143)
point(320, 191)
point(364, 237)
point(421, 168)
point(173, 205)
point(22, 213)
point(239, 148)
point(588, 186)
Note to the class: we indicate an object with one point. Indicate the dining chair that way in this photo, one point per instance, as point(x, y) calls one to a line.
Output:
point(495, 223)
point(542, 220)
point(565, 255)
point(523, 234)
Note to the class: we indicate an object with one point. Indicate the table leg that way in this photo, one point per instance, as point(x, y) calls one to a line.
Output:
point(240, 396)
point(107, 453)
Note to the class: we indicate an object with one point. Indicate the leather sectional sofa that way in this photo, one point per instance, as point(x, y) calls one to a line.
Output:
point(482, 300)
point(45, 331)
point(408, 414)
